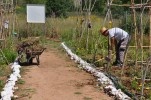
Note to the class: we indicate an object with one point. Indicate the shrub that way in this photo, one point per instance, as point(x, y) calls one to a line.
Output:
point(127, 23)
point(10, 55)
point(59, 8)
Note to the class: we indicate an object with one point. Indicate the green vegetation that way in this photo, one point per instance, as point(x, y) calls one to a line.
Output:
point(87, 98)
point(4, 72)
point(20, 81)
point(78, 93)
point(2, 83)
point(58, 7)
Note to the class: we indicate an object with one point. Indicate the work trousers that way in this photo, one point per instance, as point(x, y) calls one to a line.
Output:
point(120, 49)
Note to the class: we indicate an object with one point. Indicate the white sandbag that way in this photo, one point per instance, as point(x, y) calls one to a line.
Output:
point(12, 78)
point(9, 87)
point(15, 66)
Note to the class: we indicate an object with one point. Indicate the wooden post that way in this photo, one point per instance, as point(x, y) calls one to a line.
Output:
point(88, 22)
point(150, 31)
point(136, 31)
point(141, 30)
point(27, 29)
point(1, 20)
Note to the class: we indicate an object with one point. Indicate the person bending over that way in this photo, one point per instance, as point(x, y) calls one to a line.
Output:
point(119, 40)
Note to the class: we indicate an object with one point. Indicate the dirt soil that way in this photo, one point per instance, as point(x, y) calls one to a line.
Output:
point(57, 78)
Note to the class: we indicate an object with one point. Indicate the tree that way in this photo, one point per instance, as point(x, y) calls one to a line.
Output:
point(99, 6)
point(35, 1)
point(59, 8)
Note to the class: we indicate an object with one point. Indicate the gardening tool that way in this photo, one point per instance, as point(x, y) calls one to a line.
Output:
point(105, 58)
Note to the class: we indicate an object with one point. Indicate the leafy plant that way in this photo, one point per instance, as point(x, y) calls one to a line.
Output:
point(134, 84)
point(10, 55)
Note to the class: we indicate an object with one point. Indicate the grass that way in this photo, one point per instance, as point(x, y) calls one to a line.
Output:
point(2, 83)
point(20, 81)
point(87, 98)
point(78, 93)
point(27, 92)
point(10, 55)
point(4, 73)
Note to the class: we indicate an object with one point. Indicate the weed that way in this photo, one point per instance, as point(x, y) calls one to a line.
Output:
point(2, 83)
point(29, 90)
point(10, 55)
point(87, 98)
point(4, 72)
point(20, 81)
point(78, 93)
point(134, 84)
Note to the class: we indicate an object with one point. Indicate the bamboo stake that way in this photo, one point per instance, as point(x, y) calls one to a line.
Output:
point(0, 21)
point(144, 77)
point(74, 35)
point(81, 22)
point(11, 18)
point(141, 43)
point(109, 2)
point(141, 31)
point(88, 22)
point(150, 31)
point(90, 8)
point(9, 29)
point(136, 31)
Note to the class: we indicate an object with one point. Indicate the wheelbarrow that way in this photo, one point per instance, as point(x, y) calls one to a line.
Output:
point(30, 55)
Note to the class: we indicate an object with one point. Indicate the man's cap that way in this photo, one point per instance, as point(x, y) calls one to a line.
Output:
point(103, 30)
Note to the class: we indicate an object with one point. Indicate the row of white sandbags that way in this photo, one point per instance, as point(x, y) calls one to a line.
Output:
point(109, 87)
point(9, 87)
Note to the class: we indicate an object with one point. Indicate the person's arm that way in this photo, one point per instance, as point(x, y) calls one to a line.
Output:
point(113, 43)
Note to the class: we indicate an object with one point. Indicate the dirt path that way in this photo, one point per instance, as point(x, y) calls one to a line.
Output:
point(58, 78)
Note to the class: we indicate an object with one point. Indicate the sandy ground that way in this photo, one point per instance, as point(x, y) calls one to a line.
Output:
point(58, 78)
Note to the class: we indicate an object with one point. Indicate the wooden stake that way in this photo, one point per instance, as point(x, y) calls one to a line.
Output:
point(150, 31)
point(136, 31)
point(88, 22)
point(141, 30)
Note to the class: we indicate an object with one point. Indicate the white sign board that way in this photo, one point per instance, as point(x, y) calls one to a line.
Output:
point(35, 13)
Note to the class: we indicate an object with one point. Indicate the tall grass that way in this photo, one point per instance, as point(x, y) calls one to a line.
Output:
point(69, 30)
point(65, 29)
